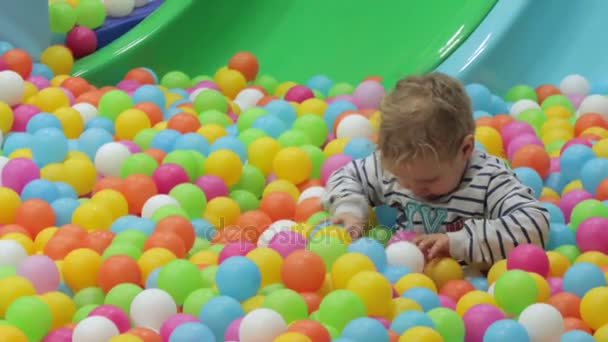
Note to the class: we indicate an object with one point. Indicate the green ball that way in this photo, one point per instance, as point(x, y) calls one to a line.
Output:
point(89, 296)
point(138, 163)
point(251, 134)
point(315, 218)
point(292, 137)
point(288, 303)
point(555, 145)
point(90, 13)
point(558, 99)
point(201, 78)
point(200, 244)
point(184, 159)
point(520, 92)
point(122, 295)
point(534, 116)
point(216, 247)
point(175, 79)
point(191, 198)
point(62, 17)
point(214, 116)
point(83, 312)
point(318, 94)
point(267, 82)
point(571, 252)
point(179, 278)
point(210, 99)
point(314, 126)
point(196, 299)
point(200, 161)
point(113, 103)
point(340, 307)
point(7, 270)
point(341, 89)
point(143, 138)
point(208, 276)
point(245, 199)
point(248, 116)
point(270, 288)
point(448, 324)
point(380, 233)
point(31, 315)
point(586, 209)
point(168, 210)
point(515, 290)
point(252, 180)
point(122, 248)
point(317, 156)
point(315, 316)
point(329, 248)
point(132, 237)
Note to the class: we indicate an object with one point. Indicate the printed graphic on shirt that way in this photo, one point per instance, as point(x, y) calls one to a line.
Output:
point(432, 218)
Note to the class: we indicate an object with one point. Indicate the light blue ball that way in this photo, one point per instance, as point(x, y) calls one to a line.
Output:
point(480, 146)
point(42, 120)
point(144, 225)
point(498, 105)
point(373, 249)
point(152, 279)
point(192, 332)
point(123, 223)
point(219, 312)
point(50, 145)
point(66, 190)
point(594, 171)
point(238, 277)
point(233, 144)
point(64, 288)
point(41, 189)
point(39, 69)
point(571, 160)
point(192, 141)
point(149, 93)
point(359, 148)
point(576, 336)
point(560, 234)
point(171, 112)
point(73, 145)
point(101, 122)
point(530, 178)
point(479, 283)
point(17, 140)
point(506, 330)
point(233, 130)
point(481, 114)
point(480, 95)
point(203, 228)
point(423, 296)
point(365, 329)
point(556, 182)
point(409, 319)
point(582, 277)
point(165, 140)
point(270, 124)
point(63, 209)
point(283, 110)
point(181, 92)
point(321, 83)
point(92, 139)
point(555, 213)
point(334, 110)
point(386, 215)
point(394, 272)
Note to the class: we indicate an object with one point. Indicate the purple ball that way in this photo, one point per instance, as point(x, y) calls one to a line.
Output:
point(41, 271)
point(128, 85)
point(570, 199)
point(286, 242)
point(299, 93)
point(18, 172)
point(133, 147)
point(514, 129)
point(176, 320)
point(39, 81)
point(167, 176)
point(212, 185)
point(114, 314)
point(332, 164)
point(236, 248)
point(592, 235)
point(478, 318)
point(232, 332)
point(368, 94)
point(22, 115)
point(59, 335)
point(521, 141)
point(555, 284)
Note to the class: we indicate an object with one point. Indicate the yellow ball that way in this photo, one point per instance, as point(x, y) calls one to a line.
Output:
point(593, 307)
point(597, 258)
point(126, 338)
point(253, 303)
point(21, 153)
point(79, 155)
point(558, 264)
point(312, 106)
point(347, 265)
point(293, 164)
point(11, 288)
point(11, 333)
point(544, 291)
point(23, 240)
point(374, 120)
point(230, 81)
point(303, 229)
point(113, 200)
point(130, 122)
point(225, 164)
point(497, 270)
point(558, 111)
point(602, 132)
point(473, 298)
point(92, 216)
point(222, 211)
point(29, 90)
point(161, 125)
point(375, 290)
point(292, 337)
point(43, 237)
point(601, 148)
point(58, 80)
point(269, 263)
point(52, 98)
point(81, 175)
point(601, 334)
point(553, 124)
point(411, 280)
point(420, 334)
point(400, 304)
point(336, 231)
point(282, 88)
point(281, 185)
point(80, 268)
point(170, 98)
point(9, 202)
point(206, 257)
point(335, 146)
point(212, 131)
point(555, 135)
point(62, 307)
point(443, 270)
point(261, 153)
point(71, 121)
point(53, 172)
point(6, 117)
point(490, 138)
point(59, 58)
point(574, 185)
point(548, 192)
point(153, 258)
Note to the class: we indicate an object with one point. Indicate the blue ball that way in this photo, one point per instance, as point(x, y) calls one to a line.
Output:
point(321, 83)
point(219, 312)
point(576, 336)
point(395, 272)
point(101, 122)
point(556, 182)
point(192, 141)
point(283, 110)
point(39, 69)
point(423, 296)
point(409, 319)
point(365, 329)
point(571, 160)
point(582, 277)
point(560, 234)
point(64, 288)
point(92, 139)
point(171, 112)
point(530, 178)
point(165, 139)
point(73, 145)
point(480, 95)
point(594, 171)
point(181, 92)
point(506, 330)
point(238, 277)
point(386, 215)
point(42, 120)
point(334, 110)
point(152, 279)
point(480, 146)
point(359, 148)
point(17, 140)
point(270, 124)
point(233, 130)
point(40, 188)
point(63, 209)
point(149, 93)
point(66, 190)
point(5, 46)
point(50, 145)
point(479, 283)
point(203, 228)
point(192, 332)
point(498, 105)
point(233, 144)
point(144, 225)
point(123, 223)
point(373, 249)
point(555, 213)
point(481, 114)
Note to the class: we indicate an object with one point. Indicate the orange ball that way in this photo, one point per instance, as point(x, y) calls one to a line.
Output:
point(545, 90)
point(233, 234)
point(140, 75)
point(313, 300)
point(34, 215)
point(588, 120)
point(303, 271)
point(91, 97)
point(485, 121)
point(137, 189)
point(99, 240)
point(59, 246)
point(71, 229)
point(156, 153)
point(307, 208)
point(246, 63)
point(118, 269)
point(109, 182)
point(601, 192)
point(308, 184)
point(265, 100)
point(373, 78)
point(180, 226)
point(393, 336)
point(278, 205)
point(311, 328)
point(148, 335)
point(571, 323)
point(14, 228)
point(566, 303)
point(76, 85)
point(254, 222)
point(184, 123)
point(170, 241)
point(500, 120)
point(533, 156)
point(152, 110)
point(456, 288)
point(19, 61)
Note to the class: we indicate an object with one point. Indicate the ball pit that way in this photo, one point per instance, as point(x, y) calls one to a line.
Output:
point(167, 208)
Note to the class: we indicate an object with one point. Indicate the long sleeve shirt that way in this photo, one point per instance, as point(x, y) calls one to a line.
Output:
point(487, 215)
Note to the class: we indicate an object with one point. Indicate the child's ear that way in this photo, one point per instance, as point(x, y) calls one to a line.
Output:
point(468, 145)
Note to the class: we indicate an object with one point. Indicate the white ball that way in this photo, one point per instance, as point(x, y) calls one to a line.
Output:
point(140, 3)
point(95, 329)
point(594, 104)
point(3, 161)
point(87, 111)
point(155, 202)
point(261, 325)
point(272, 230)
point(521, 105)
point(543, 322)
point(313, 191)
point(405, 253)
point(110, 157)
point(248, 98)
point(11, 87)
point(355, 125)
point(574, 84)
point(151, 308)
point(11, 253)
point(119, 8)
point(491, 289)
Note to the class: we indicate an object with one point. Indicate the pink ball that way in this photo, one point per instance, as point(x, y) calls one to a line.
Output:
point(3, 65)
point(286, 242)
point(233, 116)
point(39, 81)
point(133, 147)
point(176, 320)
point(576, 99)
point(18, 172)
point(59, 335)
point(69, 94)
point(41, 271)
point(478, 318)
point(299, 93)
point(207, 84)
point(592, 235)
point(368, 94)
point(521, 141)
point(232, 332)
point(167, 176)
point(447, 302)
point(114, 314)
point(528, 257)
point(22, 114)
point(570, 199)
point(332, 164)
point(212, 185)
point(555, 284)
point(554, 166)
point(402, 235)
point(575, 141)
point(81, 40)
point(271, 177)
point(128, 85)
point(235, 248)
point(514, 129)
point(346, 97)
point(385, 322)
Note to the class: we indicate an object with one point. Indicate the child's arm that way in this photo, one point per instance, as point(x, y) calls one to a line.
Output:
point(514, 217)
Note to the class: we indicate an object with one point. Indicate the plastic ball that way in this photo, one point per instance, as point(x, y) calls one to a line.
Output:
point(406, 254)
point(542, 321)
point(191, 332)
point(354, 125)
point(581, 277)
point(59, 58)
point(11, 87)
point(94, 329)
point(574, 84)
point(82, 41)
point(224, 164)
point(109, 158)
point(151, 308)
point(530, 258)
point(506, 330)
point(118, 8)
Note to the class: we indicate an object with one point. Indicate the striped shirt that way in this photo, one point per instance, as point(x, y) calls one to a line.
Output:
point(487, 215)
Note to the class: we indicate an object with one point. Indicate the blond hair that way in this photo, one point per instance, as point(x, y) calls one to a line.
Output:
point(424, 114)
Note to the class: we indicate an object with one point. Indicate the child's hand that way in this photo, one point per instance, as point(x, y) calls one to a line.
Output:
point(354, 225)
point(433, 245)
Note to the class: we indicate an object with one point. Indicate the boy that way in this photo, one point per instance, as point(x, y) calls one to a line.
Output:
point(464, 203)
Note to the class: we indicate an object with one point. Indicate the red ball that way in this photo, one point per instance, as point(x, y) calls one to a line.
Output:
point(82, 41)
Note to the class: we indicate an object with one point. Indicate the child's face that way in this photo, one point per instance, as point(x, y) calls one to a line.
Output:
point(429, 178)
